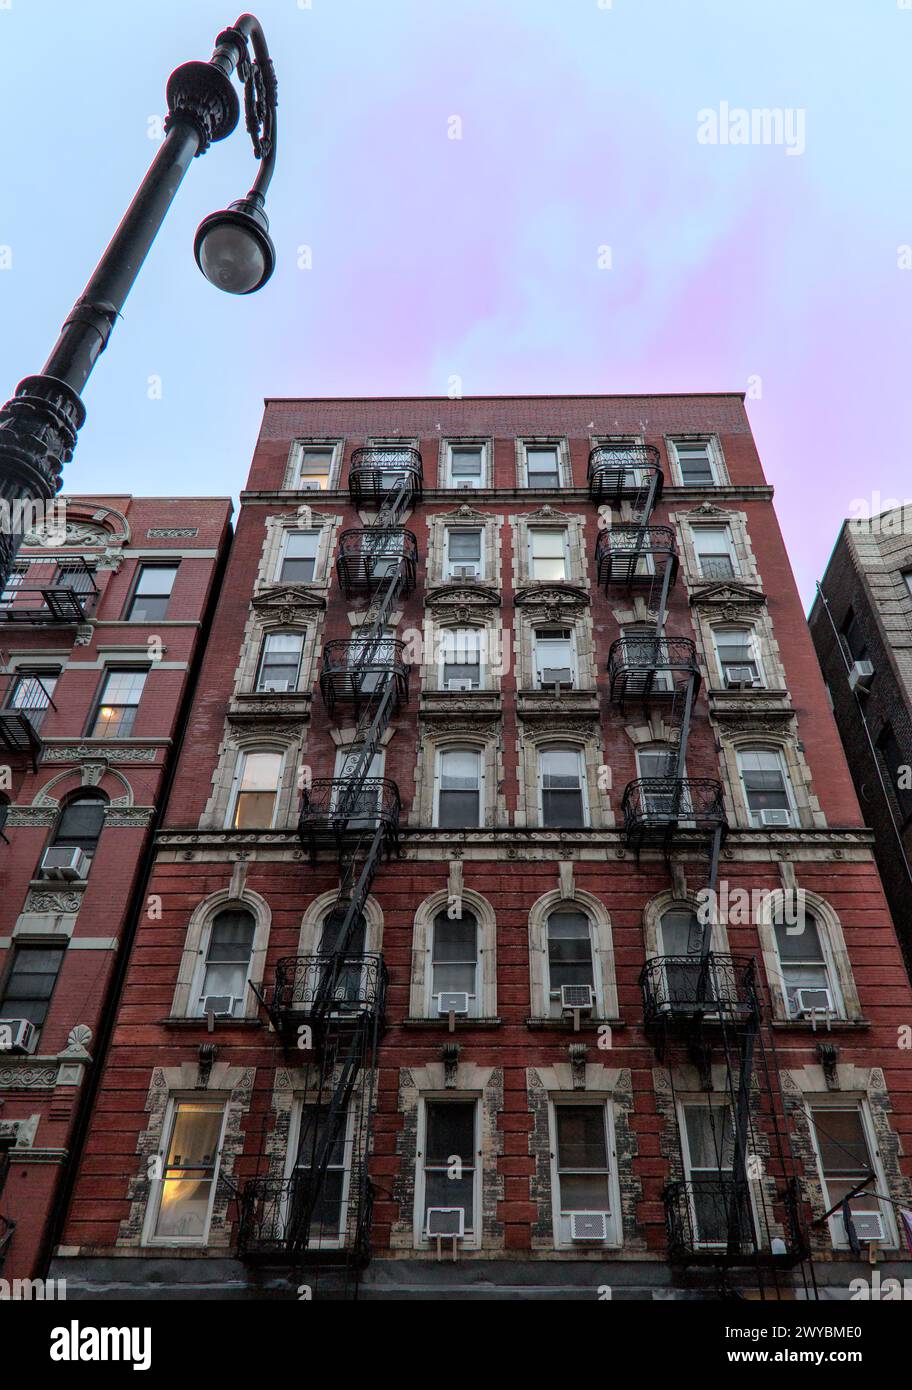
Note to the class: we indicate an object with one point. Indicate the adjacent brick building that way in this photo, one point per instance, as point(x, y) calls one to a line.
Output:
point(100, 626)
point(566, 632)
point(862, 631)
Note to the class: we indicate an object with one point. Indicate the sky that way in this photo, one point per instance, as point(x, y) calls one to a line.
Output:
point(524, 196)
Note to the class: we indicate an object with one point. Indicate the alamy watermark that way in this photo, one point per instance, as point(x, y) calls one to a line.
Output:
point(783, 126)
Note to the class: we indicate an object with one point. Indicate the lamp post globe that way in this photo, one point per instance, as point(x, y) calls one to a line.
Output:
point(233, 248)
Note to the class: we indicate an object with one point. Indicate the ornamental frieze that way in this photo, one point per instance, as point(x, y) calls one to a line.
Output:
point(74, 753)
point(42, 900)
point(31, 815)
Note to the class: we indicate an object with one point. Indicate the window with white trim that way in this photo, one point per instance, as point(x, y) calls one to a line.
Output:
point(584, 1178)
point(562, 787)
point(543, 468)
point(555, 657)
point(363, 811)
point(448, 1169)
point(464, 553)
point(767, 789)
point(280, 662)
point(847, 1154)
point(571, 955)
point(115, 713)
point(696, 462)
point(454, 963)
point(461, 665)
point(298, 562)
point(809, 980)
point(328, 1216)
point(466, 466)
point(736, 655)
point(549, 556)
point(458, 800)
point(256, 788)
point(641, 652)
point(181, 1199)
point(315, 466)
point(708, 1145)
point(715, 552)
point(659, 763)
point(224, 970)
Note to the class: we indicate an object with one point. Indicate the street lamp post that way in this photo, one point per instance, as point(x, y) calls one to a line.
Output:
point(39, 426)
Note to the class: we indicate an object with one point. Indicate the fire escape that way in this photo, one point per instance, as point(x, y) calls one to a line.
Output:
point(331, 1004)
point(739, 1206)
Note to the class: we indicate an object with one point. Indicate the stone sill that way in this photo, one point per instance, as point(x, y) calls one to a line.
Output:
point(565, 1025)
point(443, 1024)
point(837, 1025)
point(233, 1024)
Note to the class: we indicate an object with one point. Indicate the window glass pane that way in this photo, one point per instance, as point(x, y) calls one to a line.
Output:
point(694, 460)
point(187, 1184)
point(842, 1142)
point(799, 941)
point(569, 949)
point(455, 939)
point(542, 466)
point(466, 465)
point(117, 708)
point(450, 1133)
point(581, 1136)
point(299, 559)
point(81, 823)
point(682, 933)
point(30, 983)
point(464, 546)
point(548, 551)
point(710, 1137)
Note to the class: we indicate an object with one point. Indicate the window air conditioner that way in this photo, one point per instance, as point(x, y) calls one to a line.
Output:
point(453, 1002)
point(740, 678)
point(311, 485)
point(65, 862)
point(577, 997)
point(813, 1000)
point(869, 1225)
point(17, 1035)
point(465, 571)
point(464, 486)
point(222, 1005)
point(557, 675)
point(275, 687)
point(775, 817)
point(446, 1221)
point(459, 683)
point(861, 676)
point(588, 1225)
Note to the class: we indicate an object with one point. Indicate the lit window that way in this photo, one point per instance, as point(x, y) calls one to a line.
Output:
point(555, 657)
point(299, 559)
point(183, 1196)
point(449, 1136)
point(315, 468)
point(257, 789)
point(152, 593)
point(766, 787)
point(542, 466)
point(227, 963)
point(715, 557)
point(459, 788)
point(466, 464)
point(548, 553)
point(454, 960)
point(280, 662)
point(116, 711)
point(561, 787)
point(463, 553)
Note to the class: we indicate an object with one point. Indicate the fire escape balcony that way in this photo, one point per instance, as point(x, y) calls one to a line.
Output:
point(340, 818)
point(651, 669)
point(70, 598)
point(670, 812)
point(625, 473)
point(688, 990)
point(24, 702)
point(269, 1226)
point(351, 988)
point(370, 557)
point(634, 555)
point(710, 1221)
point(377, 471)
point(354, 670)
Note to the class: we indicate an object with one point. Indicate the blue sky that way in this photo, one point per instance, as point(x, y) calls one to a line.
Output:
point(477, 257)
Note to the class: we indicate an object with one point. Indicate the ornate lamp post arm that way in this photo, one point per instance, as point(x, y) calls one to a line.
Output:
point(39, 426)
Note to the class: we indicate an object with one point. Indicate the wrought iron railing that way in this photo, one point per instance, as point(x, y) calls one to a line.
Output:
point(377, 469)
point(695, 803)
point(632, 554)
point(358, 983)
point(709, 1218)
point(331, 810)
point(269, 1222)
point(24, 703)
point(650, 666)
point(69, 597)
point(354, 669)
point(370, 556)
point(624, 473)
point(714, 987)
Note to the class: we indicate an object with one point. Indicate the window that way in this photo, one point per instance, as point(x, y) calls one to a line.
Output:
point(315, 467)
point(14, 581)
point(30, 983)
point(120, 696)
point(853, 638)
point(348, 986)
point(459, 801)
point(464, 555)
point(327, 1217)
point(33, 694)
point(256, 790)
point(680, 934)
point(766, 787)
point(182, 1197)
point(737, 660)
point(227, 962)
point(708, 1140)
point(696, 463)
point(561, 787)
point(460, 658)
point(466, 465)
point(448, 1160)
point(896, 769)
point(363, 811)
point(582, 1166)
point(80, 823)
point(280, 661)
point(907, 576)
point(542, 465)
point(846, 1156)
point(555, 657)
point(715, 557)
point(625, 541)
point(299, 557)
point(642, 653)
point(806, 975)
point(570, 959)
point(454, 960)
point(152, 593)
point(660, 764)
point(548, 557)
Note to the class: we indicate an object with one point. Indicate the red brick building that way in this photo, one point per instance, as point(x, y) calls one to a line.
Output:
point(100, 626)
point(496, 689)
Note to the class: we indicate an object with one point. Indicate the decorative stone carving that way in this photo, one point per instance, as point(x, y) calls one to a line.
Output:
point(74, 753)
point(66, 901)
point(287, 602)
point(729, 596)
point(77, 1043)
point(171, 533)
point(32, 1076)
point(461, 598)
point(50, 535)
point(31, 815)
point(128, 817)
point(551, 598)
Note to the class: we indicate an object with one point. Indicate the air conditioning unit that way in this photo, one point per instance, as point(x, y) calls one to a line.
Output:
point(222, 1005)
point(465, 571)
point(557, 675)
point(577, 997)
point(814, 1000)
point(459, 683)
point(64, 862)
point(869, 1225)
point(311, 485)
point(466, 487)
point(453, 1002)
point(445, 1221)
point(275, 687)
point(777, 817)
point(740, 678)
point(588, 1225)
point(17, 1035)
point(861, 676)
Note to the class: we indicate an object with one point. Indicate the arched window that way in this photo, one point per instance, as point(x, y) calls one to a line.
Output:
point(349, 981)
point(256, 789)
point(79, 827)
point(562, 787)
point(680, 936)
point(454, 965)
point(570, 954)
point(226, 967)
